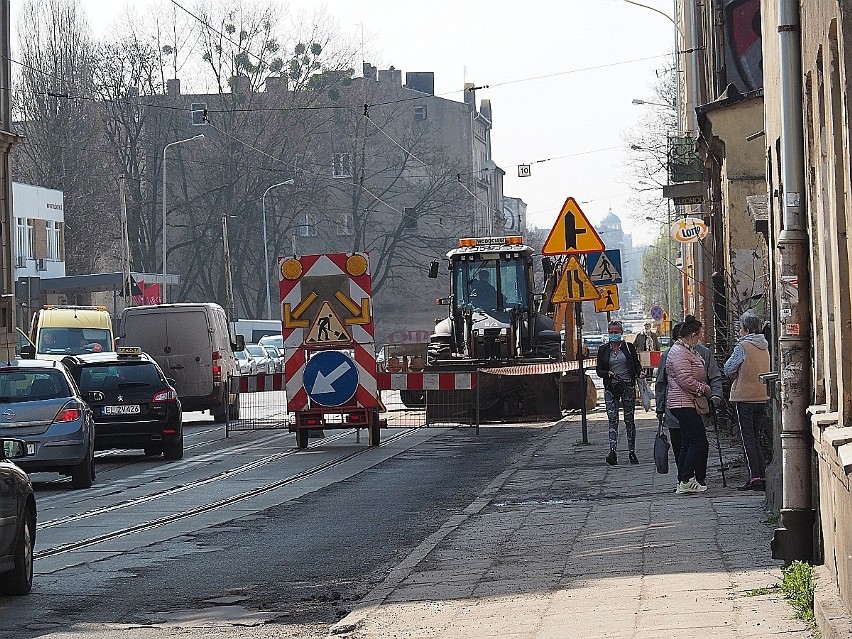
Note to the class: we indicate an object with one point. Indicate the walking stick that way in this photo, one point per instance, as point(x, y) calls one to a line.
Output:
point(714, 416)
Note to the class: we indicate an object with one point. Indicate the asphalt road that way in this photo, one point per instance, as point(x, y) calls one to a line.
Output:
point(245, 531)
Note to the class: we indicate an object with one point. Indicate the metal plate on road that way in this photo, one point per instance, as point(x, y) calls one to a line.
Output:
point(330, 378)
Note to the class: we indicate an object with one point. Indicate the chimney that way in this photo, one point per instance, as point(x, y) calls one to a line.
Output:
point(173, 87)
point(423, 81)
point(394, 76)
point(485, 110)
point(370, 72)
point(470, 95)
point(239, 83)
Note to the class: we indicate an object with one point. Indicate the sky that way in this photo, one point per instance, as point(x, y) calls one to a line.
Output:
point(561, 77)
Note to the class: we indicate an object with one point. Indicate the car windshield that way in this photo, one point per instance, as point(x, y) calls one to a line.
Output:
point(113, 376)
point(241, 355)
point(255, 351)
point(271, 351)
point(276, 341)
point(73, 341)
point(26, 385)
point(491, 284)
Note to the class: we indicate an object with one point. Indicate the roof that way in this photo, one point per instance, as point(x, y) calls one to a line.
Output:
point(109, 358)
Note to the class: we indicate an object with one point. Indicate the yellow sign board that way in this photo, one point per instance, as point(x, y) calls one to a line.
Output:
point(608, 300)
point(327, 328)
point(574, 284)
point(572, 233)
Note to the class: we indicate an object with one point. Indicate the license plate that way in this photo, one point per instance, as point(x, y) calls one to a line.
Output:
point(128, 409)
point(31, 449)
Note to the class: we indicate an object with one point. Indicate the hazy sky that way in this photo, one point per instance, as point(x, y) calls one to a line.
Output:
point(562, 74)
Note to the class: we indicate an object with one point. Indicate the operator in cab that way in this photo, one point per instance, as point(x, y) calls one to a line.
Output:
point(482, 293)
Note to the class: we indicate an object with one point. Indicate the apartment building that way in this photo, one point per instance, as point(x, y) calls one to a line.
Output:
point(39, 248)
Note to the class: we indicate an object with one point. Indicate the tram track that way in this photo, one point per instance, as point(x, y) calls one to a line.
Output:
point(204, 508)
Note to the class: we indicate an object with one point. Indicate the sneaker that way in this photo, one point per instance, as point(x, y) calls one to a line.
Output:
point(612, 458)
point(633, 459)
point(701, 486)
point(688, 487)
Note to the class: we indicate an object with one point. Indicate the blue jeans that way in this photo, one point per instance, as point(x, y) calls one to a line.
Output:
point(749, 415)
point(628, 403)
point(694, 447)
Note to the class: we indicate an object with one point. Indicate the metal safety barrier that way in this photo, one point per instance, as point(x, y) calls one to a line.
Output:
point(418, 399)
point(262, 403)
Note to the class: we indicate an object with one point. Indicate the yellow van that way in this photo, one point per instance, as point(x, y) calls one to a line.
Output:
point(58, 331)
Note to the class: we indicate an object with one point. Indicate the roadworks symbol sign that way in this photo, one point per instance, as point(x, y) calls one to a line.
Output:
point(327, 328)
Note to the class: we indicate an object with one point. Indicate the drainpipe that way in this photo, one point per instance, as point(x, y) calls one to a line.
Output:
point(793, 539)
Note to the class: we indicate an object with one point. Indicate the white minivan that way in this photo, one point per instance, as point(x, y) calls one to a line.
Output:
point(193, 345)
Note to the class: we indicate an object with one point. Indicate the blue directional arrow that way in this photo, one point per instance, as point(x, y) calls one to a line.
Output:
point(330, 378)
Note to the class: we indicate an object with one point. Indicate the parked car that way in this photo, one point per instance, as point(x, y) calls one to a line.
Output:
point(134, 405)
point(264, 364)
point(273, 340)
point(276, 359)
point(41, 404)
point(17, 521)
point(246, 363)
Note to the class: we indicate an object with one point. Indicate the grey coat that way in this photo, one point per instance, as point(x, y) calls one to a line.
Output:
point(714, 378)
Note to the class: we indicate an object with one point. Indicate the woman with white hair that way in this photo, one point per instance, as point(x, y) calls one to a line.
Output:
point(746, 364)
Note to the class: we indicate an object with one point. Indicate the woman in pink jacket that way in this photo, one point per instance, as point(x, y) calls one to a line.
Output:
point(687, 377)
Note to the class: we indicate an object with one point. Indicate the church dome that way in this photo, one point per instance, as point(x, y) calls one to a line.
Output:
point(611, 221)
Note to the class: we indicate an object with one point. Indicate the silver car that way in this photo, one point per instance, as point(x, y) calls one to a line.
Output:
point(246, 363)
point(264, 364)
point(41, 405)
point(275, 358)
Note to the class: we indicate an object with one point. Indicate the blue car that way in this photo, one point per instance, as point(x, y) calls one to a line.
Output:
point(41, 404)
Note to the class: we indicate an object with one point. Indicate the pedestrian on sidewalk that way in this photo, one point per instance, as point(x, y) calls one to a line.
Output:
point(687, 382)
point(749, 360)
point(647, 341)
point(714, 379)
point(618, 365)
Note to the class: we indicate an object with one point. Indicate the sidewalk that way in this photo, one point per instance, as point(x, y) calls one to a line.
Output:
point(562, 545)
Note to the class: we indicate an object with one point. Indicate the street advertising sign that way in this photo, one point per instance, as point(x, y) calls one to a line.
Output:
point(689, 229)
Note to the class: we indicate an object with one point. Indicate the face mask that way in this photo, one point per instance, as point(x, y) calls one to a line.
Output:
point(615, 337)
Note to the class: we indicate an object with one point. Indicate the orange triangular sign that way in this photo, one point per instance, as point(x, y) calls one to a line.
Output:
point(327, 328)
point(574, 284)
point(572, 233)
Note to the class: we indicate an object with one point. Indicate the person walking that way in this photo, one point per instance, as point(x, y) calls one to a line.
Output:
point(749, 360)
point(714, 379)
point(618, 365)
point(647, 340)
point(687, 387)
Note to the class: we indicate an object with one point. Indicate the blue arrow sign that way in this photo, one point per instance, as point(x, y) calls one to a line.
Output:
point(330, 378)
point(604, 267)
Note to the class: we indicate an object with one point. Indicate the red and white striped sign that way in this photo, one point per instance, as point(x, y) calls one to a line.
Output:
point(259, 383)
point(426, 381)
point(312, 287)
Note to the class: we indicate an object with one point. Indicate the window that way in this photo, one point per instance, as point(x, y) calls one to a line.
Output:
point(53, 236)
point(409, 217)
point(420, 112)
point(23, 238)
point(307, 225)
point(342, 165)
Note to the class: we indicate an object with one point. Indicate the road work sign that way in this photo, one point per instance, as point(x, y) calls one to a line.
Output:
point(572, 233)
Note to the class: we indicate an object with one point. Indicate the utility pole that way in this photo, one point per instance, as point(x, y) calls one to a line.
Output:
point(125, 244)
point(229, 283)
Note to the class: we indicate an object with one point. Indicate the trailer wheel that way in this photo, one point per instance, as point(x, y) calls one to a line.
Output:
point(301, 439)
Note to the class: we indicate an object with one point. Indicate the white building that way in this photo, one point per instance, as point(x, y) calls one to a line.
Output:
point(39, 231)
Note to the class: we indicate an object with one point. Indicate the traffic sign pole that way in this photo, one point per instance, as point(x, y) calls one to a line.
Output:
point(578, 320)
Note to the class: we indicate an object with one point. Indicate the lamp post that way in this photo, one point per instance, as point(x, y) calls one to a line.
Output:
point(165, 148)
point(266, 246)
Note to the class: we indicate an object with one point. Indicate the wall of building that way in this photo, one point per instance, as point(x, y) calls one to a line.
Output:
point(40, 206)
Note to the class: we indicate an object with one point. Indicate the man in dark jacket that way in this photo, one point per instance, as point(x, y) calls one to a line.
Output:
point(618, 365)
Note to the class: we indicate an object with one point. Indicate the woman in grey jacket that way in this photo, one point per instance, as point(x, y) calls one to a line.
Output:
point(749, 360)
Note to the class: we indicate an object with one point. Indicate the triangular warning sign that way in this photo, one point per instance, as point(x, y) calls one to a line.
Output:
point(327, 328)
point(604, 270)
point(572, 233)
point(574, 285)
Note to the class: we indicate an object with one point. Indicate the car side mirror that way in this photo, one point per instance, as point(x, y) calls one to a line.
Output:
point(433, 270)
point(28, 352)
point(14, 448)
point(240, 344)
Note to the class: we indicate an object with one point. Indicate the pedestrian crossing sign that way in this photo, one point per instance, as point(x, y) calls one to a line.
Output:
point(572, 233)
point(605, 267)
point(608, 300)
point(327, 328)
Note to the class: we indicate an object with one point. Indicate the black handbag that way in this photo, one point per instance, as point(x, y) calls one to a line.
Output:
point(661, 450)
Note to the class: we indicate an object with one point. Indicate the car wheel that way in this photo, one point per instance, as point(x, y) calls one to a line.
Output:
point(83, 474)
point(19, 581)
point(174, 450)
point(220, 411)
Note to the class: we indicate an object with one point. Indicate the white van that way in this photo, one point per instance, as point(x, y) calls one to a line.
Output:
point(193, 345)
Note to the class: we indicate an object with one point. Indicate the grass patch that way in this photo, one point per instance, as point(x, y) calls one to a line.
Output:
point(798, 586)
point(772, 518)
point(757, 592)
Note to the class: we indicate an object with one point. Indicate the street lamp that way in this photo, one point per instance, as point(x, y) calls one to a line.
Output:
point(659, 104)
point(266, 246)
point(200, 136)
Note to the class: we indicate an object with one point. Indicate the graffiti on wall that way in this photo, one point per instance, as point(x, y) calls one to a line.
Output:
point(743, 46)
